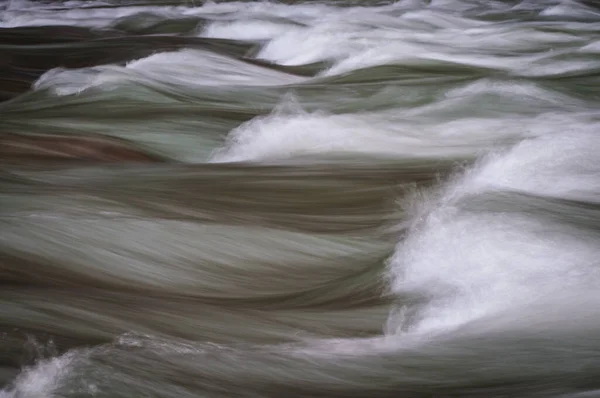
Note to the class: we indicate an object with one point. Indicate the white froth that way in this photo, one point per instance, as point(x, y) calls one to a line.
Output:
point(417, 132)
point(570, 8)
point(42, 379)
point(246, 30)
point(298, 12)
point(355, 37)
point(206, 68)
point(183, 68)
point(281, 136)
point(77, 16)
point(560, 165)
point(593, 47)
point(478, 264)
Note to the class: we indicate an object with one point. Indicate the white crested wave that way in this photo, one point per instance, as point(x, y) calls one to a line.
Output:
point(290, 131)
point(178, 68)
point(475, 264)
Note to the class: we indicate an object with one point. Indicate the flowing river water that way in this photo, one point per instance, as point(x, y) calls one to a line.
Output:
point(300, 199)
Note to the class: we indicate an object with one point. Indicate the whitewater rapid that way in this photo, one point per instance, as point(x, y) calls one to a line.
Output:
point(327, 199)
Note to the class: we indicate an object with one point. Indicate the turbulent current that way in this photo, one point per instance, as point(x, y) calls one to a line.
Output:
point(300, 199)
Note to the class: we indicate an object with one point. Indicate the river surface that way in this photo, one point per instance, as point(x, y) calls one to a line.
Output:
point(329, 199)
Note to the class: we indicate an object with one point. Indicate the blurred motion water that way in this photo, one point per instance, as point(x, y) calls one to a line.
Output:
point(300, 199)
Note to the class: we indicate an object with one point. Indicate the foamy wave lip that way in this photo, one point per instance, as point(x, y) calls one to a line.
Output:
point(290, 131)
point(476, 264)
point(179, 68)
point(246, 30)
point(66, 82)
point(45, 377)
point(563, 164)
point(593, 47)
point(280, 136)
point(84, 14)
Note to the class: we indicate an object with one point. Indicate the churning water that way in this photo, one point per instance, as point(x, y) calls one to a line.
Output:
point(300, 199)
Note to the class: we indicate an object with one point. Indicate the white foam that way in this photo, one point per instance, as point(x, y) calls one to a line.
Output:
point(280, 136)
point(477, 264)
point(206, 68)
point(297, 12)
point(77, 16)
point(425, 131)
point(42, 379)
point(353, 38)
point(184, 68)
point(246, 30)
point(593, 47)
point(560, 165)
point(570, 8)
